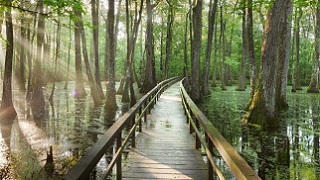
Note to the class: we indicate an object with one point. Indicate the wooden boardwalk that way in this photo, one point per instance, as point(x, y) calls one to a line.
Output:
point(165, 149)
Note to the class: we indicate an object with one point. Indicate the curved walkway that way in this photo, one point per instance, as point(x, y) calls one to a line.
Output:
point(165, 149)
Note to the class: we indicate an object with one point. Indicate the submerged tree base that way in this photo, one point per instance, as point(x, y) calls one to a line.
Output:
point(257, 114)
point(312, 90)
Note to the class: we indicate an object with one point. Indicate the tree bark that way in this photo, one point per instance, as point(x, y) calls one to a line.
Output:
point(110, 101)
point(93, 88)
point(95, 33)
point(251, 54)
point(211, 23)
point(196, 49)
point(22, 76)
point(69, 56)
point(37, 101)
point(168, 40)
point(313, 86)
point(124, 82)
point(262, 110)
point(133, 47)
point(79, 91)
point(222, 50)
point(215, 57)
point(242, 76)
point(56, 60)
point(150, 76)
point(297, 35)
point(7, 110)
point(283, 57)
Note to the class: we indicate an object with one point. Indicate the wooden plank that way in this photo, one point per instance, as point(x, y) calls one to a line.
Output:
point(164, 148)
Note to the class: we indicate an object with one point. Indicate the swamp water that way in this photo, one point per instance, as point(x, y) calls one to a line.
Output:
point(70, 126)
point(289, 152)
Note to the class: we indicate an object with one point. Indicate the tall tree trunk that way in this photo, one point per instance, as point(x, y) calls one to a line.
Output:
point(79, 91)
point(124, 74)
point(251, 54)
point(131, 40)
point(29, 56)
point(196, 49)
point(168, 40)
point(222, 50)
point(297, 68)
point(242, 76)
point(185, 49)
point(283, 57)
point(95, 33)
point(37, 101)
point(7, 111)
point(211, 24)
point(161, 47)
point(228, 50)
point(110, 102)
point(125, 90)
point(56, 60)
point(150, 75)
point(262, 110)
point(93, 87)
point(215, 57)
point(22, 76)
point(313, 86)
point(69, 56)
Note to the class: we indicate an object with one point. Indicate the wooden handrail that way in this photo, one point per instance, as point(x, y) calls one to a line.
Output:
point(197, 120)
point(113, 135)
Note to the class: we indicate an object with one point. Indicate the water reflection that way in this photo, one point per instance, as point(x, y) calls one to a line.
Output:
point(290, 152)
point(59, 132)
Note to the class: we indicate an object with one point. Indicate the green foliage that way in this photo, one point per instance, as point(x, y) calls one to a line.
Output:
point(64, 7)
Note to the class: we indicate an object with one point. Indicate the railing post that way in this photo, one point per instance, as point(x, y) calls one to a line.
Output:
point(210, 147)
point(149, 108)
point(198, 143)
point(153, 102)
point(119, 165)
point(133, 136)
point(145, 111)
point(140, 120)
point(190, 123)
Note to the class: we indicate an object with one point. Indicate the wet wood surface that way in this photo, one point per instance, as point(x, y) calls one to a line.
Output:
point(165, 149)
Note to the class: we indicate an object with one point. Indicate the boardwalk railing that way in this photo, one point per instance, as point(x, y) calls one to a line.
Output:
point(114, 134)
point(197, 121)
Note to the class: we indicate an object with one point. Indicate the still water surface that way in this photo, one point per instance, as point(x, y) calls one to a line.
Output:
point(72, 125)
point(69, 125)
point(267, 149)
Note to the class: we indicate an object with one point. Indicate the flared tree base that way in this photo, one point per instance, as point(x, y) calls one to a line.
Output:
point(257, 115)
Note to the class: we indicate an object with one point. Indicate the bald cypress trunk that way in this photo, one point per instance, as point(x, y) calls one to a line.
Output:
point(242, 76)
point(262, 110)
point(37, 101)
point(313, 86)
point(211, 23)
point(95, 33)
point(283, 58)
point(7, 111)
point(196, 51)
point(110, 101)
point(251, 54)
point(79, 89)
point(150, 76)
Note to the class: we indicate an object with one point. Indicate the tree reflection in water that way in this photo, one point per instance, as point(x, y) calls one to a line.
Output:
point(71, 126)
point(289, 152)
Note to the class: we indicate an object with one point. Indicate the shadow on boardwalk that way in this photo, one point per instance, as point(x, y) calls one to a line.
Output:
point(164, 148)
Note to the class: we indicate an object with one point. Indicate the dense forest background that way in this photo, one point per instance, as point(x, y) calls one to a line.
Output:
point(217, 42)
